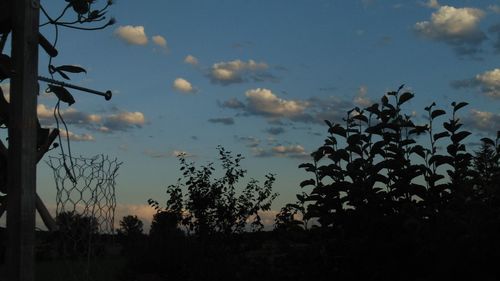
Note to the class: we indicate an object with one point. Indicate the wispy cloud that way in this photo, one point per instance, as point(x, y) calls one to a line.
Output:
point(222, 120)
point(483, 121)
point(183, 86)
point(290, 151)
point(107, 123)
point(238, 71)
point(432, 4)
point(265, 103)
point(160, 41)
point(192, 60)
point(249, 141)
point(457, 27)
point(495, 30)
point(77, 137)
point(275, 131)
point(487, 82)
point(166, 154)
point(133, 35)
point(361, 99)
point(494, 8)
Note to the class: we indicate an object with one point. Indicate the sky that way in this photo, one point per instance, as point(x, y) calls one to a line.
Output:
point(259, 78)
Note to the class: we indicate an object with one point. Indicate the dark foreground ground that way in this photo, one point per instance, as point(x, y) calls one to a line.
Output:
point(384, 252)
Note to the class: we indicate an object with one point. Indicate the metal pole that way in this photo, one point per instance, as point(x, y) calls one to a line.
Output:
point(107, 95)
point(22, 141)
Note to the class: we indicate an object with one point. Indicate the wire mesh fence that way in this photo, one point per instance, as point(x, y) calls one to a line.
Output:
point(85, 209)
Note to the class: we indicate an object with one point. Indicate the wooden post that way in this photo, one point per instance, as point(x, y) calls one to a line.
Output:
point(22, 141)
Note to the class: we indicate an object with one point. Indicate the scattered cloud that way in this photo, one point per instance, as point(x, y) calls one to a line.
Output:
point(232, 103)
point(290, 151)
point(223, 120)
point(104, 123)
point(160, 41)
point(238, 71)
point(361, 98)
point(70, 115)
point(494, 8)
point(124, 121)
point(184, 86)
point(275, 131)
point(133, 35)
point(457, 27)
point(248, 141)
point(189, 59)
point(166, 154)
point(487, 82)
point(178, 153)
point(495, 30)
point(264, 102)
point(157, 154)
point(483, 121)
point(432, 4)
point(367, 3)
point(76, 137)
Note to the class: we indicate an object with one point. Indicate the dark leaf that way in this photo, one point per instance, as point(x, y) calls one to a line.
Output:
point(458, 137)
point(437, 112)
point(441, 135)
point(488, 141)
point(307, 182)
point(308, 167)
point(361, 117)
point(405, 97)
point(459, 105)
point(419, 150)
point(337, 130)
point(62, 94)
point(328, 123)
point(71, 68)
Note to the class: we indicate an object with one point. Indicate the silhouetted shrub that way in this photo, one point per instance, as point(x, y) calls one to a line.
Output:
point(389, 204)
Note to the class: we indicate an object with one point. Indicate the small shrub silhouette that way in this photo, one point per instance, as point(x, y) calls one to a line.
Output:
point(212, 205)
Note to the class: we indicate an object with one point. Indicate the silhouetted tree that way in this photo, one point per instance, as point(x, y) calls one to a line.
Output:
point(131, 226)
point(211, 205)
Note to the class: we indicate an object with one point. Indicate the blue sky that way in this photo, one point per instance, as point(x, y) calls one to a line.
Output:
point(259, 78)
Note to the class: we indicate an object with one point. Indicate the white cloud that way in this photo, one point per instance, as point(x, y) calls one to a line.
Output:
point(76, 137)
point(458, 27)
point(189, 59)
point(184, 86)
point(124, 120)
point(104, 123)
point(488, 83)
point(238, 71)
point(160, 41)
point(263, 101)
point(133, 35)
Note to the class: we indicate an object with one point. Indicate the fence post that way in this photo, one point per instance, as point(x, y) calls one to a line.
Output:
point(22, 141)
